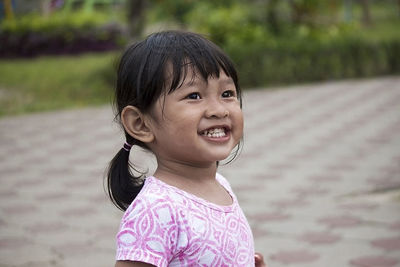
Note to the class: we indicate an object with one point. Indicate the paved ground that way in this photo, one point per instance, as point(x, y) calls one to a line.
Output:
point(318, 178)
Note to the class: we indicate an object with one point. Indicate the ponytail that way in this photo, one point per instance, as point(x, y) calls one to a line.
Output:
point(122, 185)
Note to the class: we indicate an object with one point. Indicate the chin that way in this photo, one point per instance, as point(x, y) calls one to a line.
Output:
point(222, 157)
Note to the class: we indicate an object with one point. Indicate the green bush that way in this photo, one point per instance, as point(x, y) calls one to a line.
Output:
point(313, 61)
point(300, 53)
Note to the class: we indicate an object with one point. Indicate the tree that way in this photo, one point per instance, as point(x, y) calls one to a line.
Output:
point(8, 10)
point(272, 17)
point(366, 15)
point(398, 6)
point(136, 10)
point(45, 7)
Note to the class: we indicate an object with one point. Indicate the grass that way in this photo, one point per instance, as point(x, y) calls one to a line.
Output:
point(50, 83)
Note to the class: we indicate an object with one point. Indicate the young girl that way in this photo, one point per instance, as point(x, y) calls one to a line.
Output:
point(178, 96)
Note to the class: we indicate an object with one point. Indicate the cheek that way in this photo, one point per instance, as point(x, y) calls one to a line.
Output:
point(182, 126)
point(238, 117)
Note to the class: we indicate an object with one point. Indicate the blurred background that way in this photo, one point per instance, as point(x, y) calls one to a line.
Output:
point(57, 54)
point(319, 173)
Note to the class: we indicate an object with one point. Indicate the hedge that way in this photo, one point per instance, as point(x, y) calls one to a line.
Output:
point(59, 34)
point(266, 64)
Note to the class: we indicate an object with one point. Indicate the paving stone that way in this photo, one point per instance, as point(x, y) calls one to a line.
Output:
point(392, 243)
point(296, 256)
point(340, 221)
point(317, 238)
point(374, 261)
point(317, 178)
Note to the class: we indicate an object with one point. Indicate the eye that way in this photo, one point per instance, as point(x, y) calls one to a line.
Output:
point(228, 93)
point(193, 96)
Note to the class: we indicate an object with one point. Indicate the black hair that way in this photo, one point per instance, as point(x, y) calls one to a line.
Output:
point(142, 78)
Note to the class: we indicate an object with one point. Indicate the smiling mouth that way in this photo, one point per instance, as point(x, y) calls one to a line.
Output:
point(215, 132)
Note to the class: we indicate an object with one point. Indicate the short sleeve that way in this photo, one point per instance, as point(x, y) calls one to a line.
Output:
point(149, 231)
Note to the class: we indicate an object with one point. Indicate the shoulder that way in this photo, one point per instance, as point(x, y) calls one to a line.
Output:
point(153, 201)
point(223, 181)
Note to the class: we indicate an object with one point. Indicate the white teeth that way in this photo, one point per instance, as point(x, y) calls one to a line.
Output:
point(215, 133)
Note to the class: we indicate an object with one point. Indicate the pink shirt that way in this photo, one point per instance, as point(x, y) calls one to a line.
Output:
point(166, 226)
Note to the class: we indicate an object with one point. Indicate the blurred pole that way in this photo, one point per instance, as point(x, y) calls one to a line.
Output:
point(136, 17)
point(398, 7)
point(272, 16)
point(348, 12)
point(8, 10)
point(45, 7)
point(366, 16)
point(333, 6)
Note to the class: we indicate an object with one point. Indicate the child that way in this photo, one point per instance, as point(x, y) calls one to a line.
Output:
point(178, 96)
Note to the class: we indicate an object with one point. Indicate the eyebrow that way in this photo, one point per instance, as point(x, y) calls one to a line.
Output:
point(196, 81)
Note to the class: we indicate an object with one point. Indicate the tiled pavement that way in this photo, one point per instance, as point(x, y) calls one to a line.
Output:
point(318, 178)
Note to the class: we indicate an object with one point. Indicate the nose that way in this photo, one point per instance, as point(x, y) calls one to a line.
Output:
point(216, 109)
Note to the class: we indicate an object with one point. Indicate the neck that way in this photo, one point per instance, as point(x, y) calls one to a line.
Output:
point(198, 180)
point(177, 173)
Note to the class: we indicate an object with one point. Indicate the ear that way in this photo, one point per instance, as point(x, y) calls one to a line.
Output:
point(136, 124)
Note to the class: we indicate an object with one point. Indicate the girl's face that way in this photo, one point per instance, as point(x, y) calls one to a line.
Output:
point(198, 123)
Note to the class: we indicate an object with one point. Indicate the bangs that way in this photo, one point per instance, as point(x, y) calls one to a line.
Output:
point(182, 54)
point(203, 61)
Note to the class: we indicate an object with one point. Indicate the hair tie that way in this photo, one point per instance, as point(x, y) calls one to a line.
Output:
point(127, 147)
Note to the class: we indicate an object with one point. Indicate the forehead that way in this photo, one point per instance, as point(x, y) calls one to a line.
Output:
point(190, 74)
point(195, 78)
